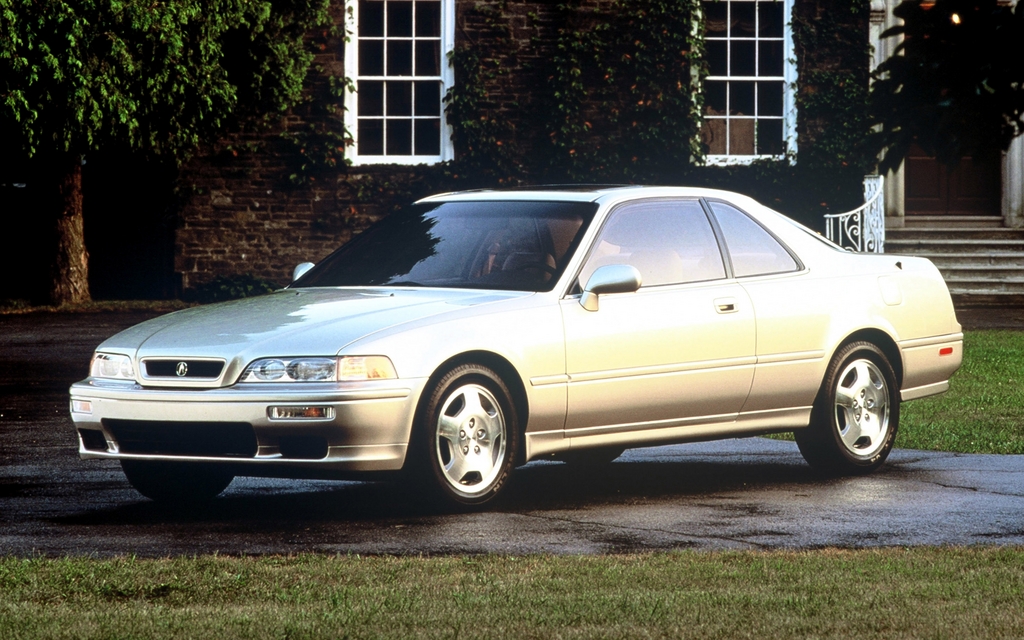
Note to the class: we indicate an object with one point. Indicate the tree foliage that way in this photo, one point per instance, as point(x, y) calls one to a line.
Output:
point(956, 84)
point(150, 76)
point(155, 76)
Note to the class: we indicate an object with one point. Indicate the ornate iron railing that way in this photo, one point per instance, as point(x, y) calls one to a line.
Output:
point(862, 229)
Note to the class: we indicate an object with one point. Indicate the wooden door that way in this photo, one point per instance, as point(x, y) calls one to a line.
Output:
point(971, 188)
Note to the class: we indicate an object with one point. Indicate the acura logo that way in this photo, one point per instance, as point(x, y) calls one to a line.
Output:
point(181, 369)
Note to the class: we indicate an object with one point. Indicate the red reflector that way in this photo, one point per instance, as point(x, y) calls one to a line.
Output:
point(946, 351)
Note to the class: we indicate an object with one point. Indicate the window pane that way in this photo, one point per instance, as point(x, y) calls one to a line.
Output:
point(742, 19)
point(371, 98)
point(744, 48)
point(428, 58)
point(769, 137)
point(371, 19)
point(716, 51)
point(428, 137)
point(428, 19)
point(741, 98)
point(716, 19)
point(399, 19)
point(714, 97)
point(399, 98)
point(712, 134)
point(741, 137)
point(428, 99)
point(769, 98)
point(752, 249)
point(370, 137)
point(742, 61)
point(770, 19)
point(769, 62)
point(399, 137)
point(399, 57)
point(667, 242)
point(371, 57)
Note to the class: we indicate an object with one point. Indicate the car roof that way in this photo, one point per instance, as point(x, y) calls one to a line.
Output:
point(582, 193)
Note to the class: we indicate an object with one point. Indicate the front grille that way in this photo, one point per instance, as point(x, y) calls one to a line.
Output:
point(157, 437)
point(183, 368)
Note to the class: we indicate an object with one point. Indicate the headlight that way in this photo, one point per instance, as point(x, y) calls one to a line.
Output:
point(111, 365)
point(346, 369)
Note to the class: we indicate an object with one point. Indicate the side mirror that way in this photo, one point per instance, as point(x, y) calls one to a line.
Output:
point(301, 269)
point(611, 278)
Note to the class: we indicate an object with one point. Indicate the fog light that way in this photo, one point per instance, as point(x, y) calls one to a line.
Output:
point(81, 406)
point(300, 413)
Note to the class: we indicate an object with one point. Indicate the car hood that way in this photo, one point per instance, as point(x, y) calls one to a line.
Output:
point(290, 322)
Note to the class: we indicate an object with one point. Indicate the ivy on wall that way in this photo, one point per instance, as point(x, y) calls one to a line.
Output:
point(622, 98)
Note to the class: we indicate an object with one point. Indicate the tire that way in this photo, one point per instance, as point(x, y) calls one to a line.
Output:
point(176, 482)
point(468, 437)
point(856, 414)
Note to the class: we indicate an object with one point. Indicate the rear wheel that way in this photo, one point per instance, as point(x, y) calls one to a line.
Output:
point(469, 433)
point(176, 482)
point(856, 415)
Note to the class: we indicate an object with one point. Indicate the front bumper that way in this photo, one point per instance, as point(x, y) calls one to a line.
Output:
point(367, 427)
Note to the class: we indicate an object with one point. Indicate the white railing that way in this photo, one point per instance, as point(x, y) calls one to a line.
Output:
point(862, 229)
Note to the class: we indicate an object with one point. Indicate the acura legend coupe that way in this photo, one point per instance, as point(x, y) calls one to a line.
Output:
point(474, 332)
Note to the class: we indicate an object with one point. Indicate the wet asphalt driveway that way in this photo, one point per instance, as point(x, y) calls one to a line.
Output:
point(752, 493)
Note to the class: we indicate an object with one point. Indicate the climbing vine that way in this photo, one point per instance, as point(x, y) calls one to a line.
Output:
point(624, 99)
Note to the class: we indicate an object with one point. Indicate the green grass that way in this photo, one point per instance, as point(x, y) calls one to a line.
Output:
point(890, 593)
point(983, 411)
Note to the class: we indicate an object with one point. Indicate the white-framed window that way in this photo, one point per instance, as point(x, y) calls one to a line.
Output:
point(749, 102)
point(397, 57)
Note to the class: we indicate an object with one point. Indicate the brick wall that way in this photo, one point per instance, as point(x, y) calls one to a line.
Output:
point(245, 215)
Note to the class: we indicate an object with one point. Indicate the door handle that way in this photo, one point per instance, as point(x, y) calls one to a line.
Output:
point(726, 305)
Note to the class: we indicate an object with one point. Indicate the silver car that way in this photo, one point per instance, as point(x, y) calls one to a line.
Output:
point(474, 332)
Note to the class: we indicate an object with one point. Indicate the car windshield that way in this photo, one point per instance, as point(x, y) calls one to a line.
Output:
point(495, 244)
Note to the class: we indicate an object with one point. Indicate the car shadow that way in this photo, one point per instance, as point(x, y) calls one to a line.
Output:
point(282, 506)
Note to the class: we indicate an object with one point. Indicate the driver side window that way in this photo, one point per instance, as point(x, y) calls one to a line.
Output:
point(669, 242)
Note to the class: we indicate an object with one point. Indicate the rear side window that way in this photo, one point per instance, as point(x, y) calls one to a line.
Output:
point(754, 251)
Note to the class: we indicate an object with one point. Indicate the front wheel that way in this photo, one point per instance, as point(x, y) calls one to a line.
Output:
point(176, 482)
point(856, 415)
point(469, 435)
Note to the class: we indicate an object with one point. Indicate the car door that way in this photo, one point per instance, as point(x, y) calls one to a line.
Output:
point(790, 305)
point(679, 350)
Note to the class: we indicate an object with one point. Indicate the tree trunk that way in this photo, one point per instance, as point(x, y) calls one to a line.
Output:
point(70, 278)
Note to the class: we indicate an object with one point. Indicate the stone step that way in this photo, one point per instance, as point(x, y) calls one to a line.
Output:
point(963, 299)
point(932, 222)
point(916, 246)
point(974, 271)
point(980, 259)
point(980, 285)
point(954, 233)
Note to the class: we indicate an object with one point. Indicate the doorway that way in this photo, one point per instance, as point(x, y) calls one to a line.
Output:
point(972, 188)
